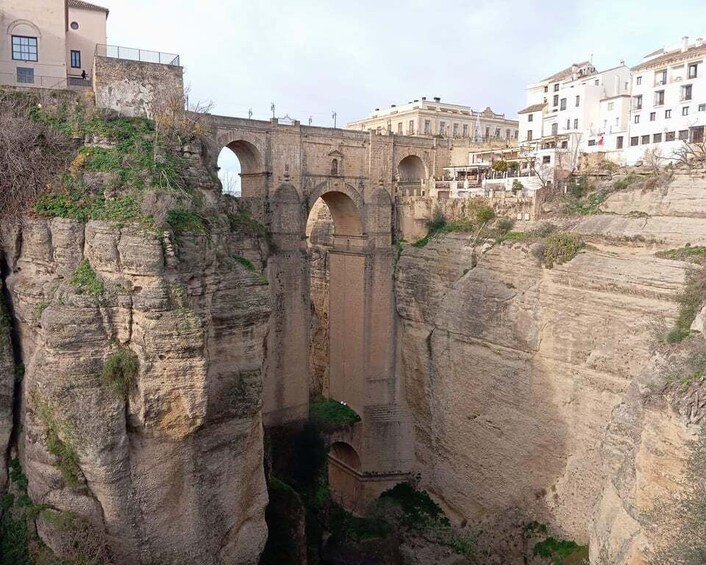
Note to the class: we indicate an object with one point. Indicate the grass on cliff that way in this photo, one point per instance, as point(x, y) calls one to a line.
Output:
point(60, 442)
point(477, 217)
point(330, 415)
point(561, 552)
point(86, 281)
point(120, 372)
point(695, 253)
point(690, 300)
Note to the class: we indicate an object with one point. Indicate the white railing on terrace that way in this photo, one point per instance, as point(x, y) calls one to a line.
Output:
point(38, 81)
point(140, 55)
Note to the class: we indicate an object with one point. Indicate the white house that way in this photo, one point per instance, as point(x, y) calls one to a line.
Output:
point(668, 101)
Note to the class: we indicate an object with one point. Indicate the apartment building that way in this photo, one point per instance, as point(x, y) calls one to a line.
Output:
point(49, 43)
point(668, 101)
point(577, 110)
point(433, 117)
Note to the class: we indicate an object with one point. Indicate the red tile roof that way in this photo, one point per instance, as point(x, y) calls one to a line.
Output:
point(566, 73)
point(672, 57)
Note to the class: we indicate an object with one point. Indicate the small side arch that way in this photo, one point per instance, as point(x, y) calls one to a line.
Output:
point(412, 168)
point(345, 204)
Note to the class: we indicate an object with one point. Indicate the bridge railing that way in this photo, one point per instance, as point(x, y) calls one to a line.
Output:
point(134, 54)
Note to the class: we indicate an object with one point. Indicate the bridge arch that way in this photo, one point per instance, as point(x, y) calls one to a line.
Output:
point(344, 476)
point(241, 168)
point(345, 204)
point(412, 168)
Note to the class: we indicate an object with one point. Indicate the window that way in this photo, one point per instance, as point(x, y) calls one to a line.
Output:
point(637, 119)
point(638, 102)
point(24, 48)
point(661, 77)
point(497, 132)
point(619, 142)
point(487, 133)
point(645, 140)
point(576, 123)
point(455, 130)
point(530, 117)
point(399, 128)
point(684, 135)
point(75, 59)
point(427, 126)
point(686, 92)
point(564, 144)
point(667, 114)
point(591, 142)
point(638, 81)
point(442, 128)
point(529, 135)
point(685, 111)
point(74, 26)
point(657, 138)
point(611, 105)
point(693, 70)
point(556, 88)
point(334, 168)
point(465, 130)
point(653, 116)
point(702, 107)
point(563, 104)
point(25, 75)
point(556, 100)
point(546, 159)
point(669, 136)
point(410, 131)
point(578, 101)
point(659, 98)
point(568, 124)
point(516, 133)
point(597, 82)
point(555, 129)
point(546, 89)
point(507, 134)
point(634, 141)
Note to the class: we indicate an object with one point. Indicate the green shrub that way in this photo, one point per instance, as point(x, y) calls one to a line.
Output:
point(696, 253)
point(504, 225)
point(181, 221)
point(690, 301)
point(330, 415)
point(560, 248)
point(560, 550)
point(623, 183)
point(499, 166)
point(245, 262)
point(120, 371)
point(517, 186)
point(437, 222)
point(86, 281)
point(417, 506)
point(590, 205)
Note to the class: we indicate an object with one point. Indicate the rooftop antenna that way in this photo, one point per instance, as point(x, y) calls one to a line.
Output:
point(250, 114)
point(272, 107)
point(311, 119)
point(334, 119)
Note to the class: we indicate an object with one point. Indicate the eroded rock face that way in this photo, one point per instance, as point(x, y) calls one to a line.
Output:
point(512, 372)
point(173, 473)
point(7, 386)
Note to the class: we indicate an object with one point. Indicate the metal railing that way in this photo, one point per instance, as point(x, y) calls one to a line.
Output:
point(38, 81)
point(140, 55)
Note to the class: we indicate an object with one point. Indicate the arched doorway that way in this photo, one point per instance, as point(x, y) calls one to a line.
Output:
point(241, 170)
point(412, 174)
point(344, 476)
point(336, 289)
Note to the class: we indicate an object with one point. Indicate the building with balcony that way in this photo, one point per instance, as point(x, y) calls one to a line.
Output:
point(668, 101)
point(424, 117)
point(50, 43)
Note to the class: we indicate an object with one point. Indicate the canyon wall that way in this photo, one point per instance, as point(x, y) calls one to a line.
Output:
point(172, 472)
point(520, 377)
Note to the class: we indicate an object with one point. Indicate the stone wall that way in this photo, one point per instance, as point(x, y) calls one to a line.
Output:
point(135, 88)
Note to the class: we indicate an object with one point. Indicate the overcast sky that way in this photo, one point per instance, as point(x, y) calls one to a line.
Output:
point(311, 57)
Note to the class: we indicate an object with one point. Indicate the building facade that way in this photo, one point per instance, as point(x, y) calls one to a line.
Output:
point(668, 101)
point(435, 118)
point(49, 43)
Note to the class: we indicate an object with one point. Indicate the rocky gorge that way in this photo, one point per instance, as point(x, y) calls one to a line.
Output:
point(133, 337)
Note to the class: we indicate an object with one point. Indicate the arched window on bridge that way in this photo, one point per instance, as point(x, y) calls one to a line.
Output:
point(241, 170)
point(334, 168)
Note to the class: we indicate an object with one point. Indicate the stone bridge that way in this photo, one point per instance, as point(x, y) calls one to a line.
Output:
point(285, 169)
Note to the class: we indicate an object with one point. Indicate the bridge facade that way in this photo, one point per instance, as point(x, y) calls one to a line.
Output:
point(285, 169)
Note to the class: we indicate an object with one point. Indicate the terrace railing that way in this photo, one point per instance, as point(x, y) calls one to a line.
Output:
point(133, 54)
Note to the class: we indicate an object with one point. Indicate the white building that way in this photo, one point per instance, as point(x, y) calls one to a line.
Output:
point(424, 117)
point(577, 110)
point(668, 101)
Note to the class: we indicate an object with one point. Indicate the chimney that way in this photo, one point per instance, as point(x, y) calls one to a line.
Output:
point(699, 41)
point(377, 109)
point(393, 105)
point(437, 99)
point(424, 98)
point(417, 100)
point(684, 43)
